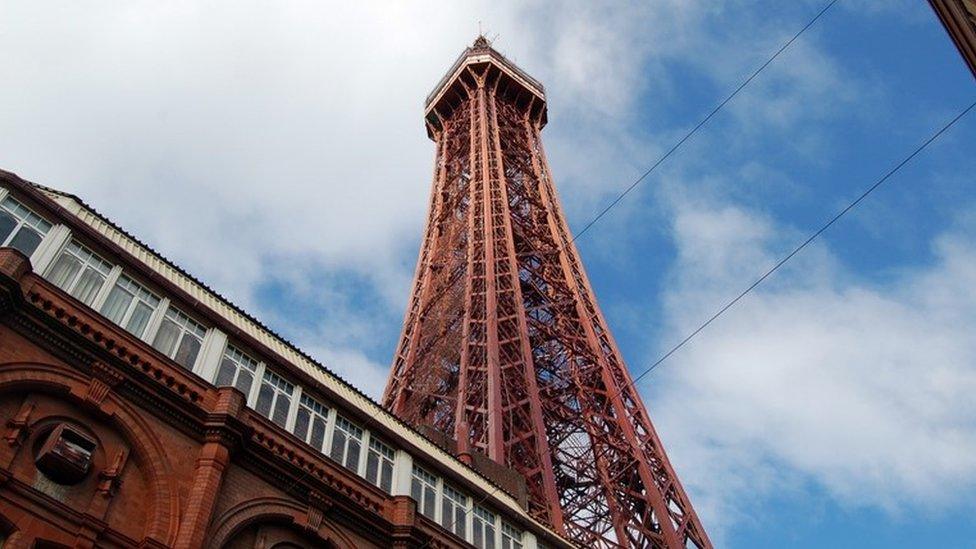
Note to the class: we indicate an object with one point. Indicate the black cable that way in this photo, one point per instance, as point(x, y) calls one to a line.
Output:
point(703, 121)
point(810, 239)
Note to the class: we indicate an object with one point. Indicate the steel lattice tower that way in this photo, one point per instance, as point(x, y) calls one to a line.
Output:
point(503, 344)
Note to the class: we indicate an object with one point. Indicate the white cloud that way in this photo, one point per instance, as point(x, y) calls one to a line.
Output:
point(253, 142)
point(230, 135)
point(863, 389)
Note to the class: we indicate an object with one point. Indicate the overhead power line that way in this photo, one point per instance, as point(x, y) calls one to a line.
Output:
point(806, 242)
point(704, 121)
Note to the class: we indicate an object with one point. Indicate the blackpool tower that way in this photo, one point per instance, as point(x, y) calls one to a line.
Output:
point(504, 347)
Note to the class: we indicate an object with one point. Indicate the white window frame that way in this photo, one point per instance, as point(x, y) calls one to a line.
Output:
point(240, 360)
point(443, 488)
point(345, 451)
point(495, 524)
point(50, 247)
point(115, 279)
point(88, 259)
point(156, 320)
point(513, 535)
point(382, 458)
point(183, 321)
point(313, 413)
point(34, 223)
point(278, 391)
point(437, 491)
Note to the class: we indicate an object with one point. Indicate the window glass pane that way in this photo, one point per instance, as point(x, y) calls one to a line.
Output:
point(372, 467)
point(314, 423)
point(187, 353)
point(281, 410)
point(346, 443)
point(236, 370)
point(88, 285)
point(352, 455)
point(416, 489)
point(318, 433)
point(429, 499)
point(31, 227)
point(139, 319)
point(511, 537)
point(447, 515)
point(423, 488)
point(265, 397)
point(483, 526)
point(166, 337)
point(460, 522)
point(7, 224)
point(127, 303)
point(191, 332)
point(116, 304)
point(226, 373)
point(274, 398)
point(453, 508)
point(26, 240)
point(379, 464)
point(64, 270)
point(338, 445)
point(301, 423)
point(386, 477)
point(244, 380)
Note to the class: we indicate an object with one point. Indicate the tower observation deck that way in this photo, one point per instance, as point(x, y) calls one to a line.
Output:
point(504, 347)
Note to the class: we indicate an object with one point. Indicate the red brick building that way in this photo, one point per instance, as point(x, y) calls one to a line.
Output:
point(142, 409)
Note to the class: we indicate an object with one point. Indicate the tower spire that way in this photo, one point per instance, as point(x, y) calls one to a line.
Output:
point(503, 344)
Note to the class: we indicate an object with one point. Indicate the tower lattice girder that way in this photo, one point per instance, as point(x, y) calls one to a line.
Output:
point(503, 343)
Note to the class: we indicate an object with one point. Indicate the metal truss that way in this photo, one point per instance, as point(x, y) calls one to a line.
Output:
point(503, 343)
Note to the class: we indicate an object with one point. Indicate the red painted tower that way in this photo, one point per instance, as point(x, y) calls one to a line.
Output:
point(504, 347)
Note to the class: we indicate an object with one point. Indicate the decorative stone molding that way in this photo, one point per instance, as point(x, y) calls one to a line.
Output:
point(108, 480)
point(19, 425)
point(97, 391)
point(318, 505)
point(103, 336)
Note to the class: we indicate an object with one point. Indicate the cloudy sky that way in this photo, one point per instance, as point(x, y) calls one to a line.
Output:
point(276, 150)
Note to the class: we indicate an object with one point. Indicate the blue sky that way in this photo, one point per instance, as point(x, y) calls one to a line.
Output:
point(279, 154)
